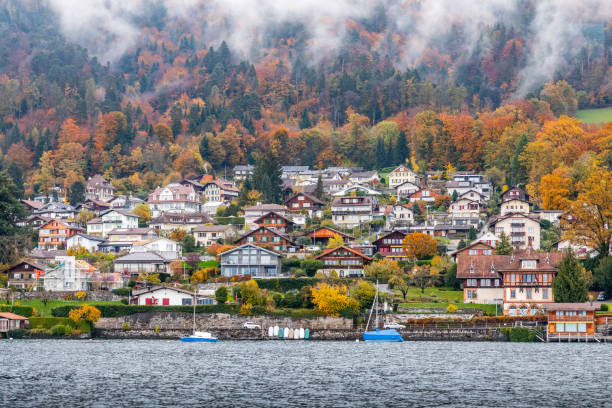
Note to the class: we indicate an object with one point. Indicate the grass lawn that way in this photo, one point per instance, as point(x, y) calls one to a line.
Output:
point(595, 115)
point(440, 298)
point(43, 310)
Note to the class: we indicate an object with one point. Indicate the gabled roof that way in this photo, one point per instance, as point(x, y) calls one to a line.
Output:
point(11, 316)
point(152, 289)
point(136, 257)
point(32, 204)
point(266, 207)
point(268, 214)
point(90, 237)
point(315, 234)
point(308, 196)
point(272, 230)
point(390, 233)
point(32, 264)
point(64, 223)
point(471, 245)
point(250, 245)
point(354, 251)
point(121, 211)
point(212, 228)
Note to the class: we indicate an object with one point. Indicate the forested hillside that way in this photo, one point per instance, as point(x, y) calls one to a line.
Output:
point(176, 100)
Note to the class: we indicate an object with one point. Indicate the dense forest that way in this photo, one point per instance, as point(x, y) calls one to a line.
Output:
point(176, 103)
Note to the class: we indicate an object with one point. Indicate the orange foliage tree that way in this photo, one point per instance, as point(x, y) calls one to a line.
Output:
point(419, 245)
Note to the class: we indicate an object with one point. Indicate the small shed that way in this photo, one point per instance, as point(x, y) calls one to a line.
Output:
point(11, 321)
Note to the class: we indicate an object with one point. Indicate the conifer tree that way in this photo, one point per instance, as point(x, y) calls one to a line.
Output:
point(503, 246)
point(569, 285)
point(402, 149)
point(380, 153)
point(305, 120)
point(319, 189)
point(267, 177)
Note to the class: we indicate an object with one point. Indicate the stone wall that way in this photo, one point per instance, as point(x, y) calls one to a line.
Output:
point(217, 321)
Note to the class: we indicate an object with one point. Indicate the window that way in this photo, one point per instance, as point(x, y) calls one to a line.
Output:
point(560, 328)
point(528, 264)
point(512, 278)
point(529, 293)
point(165, 302)
point(582, 327)
point(186, 301)
point(512, 293)
point(545, 278)
point(544, 293)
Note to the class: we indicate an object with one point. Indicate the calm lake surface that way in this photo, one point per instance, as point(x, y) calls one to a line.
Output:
point(138, 373)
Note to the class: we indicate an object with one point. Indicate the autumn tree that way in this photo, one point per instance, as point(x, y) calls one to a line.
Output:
point(422, 278)
point(335, 241)
point(70, 132)
point(590, 215)
point(555, 189)
point(418, 245)
point(251, 294)
point(363, 292)
point(382, 269)
point(87, 313)
point(143, 212)
point(331, 300)
point(85, 216)
point(398, 282)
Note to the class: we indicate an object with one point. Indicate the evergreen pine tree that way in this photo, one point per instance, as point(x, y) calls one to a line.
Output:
point(380, 152)
point(416, 212)
point(517, 172)
point(305, 119)
point(319, 189)
point(243, 196)
point(402, 149)
point(455, 195)
point(472, 234)
point(204, 147)
point(462, 244)
point(267, 177)
point(503, 246)
point(569, 285)
point(76, 194)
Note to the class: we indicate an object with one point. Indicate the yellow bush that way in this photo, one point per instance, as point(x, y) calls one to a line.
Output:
point(88, 313)
point(246, 309)
point(81, 295)
point(451, 308)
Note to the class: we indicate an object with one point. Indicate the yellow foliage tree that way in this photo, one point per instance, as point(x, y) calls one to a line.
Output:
point(88, 313)
point(335, 241)
point(331, 300)
point(382, 269)
point(77, 251)
point(555, 189)
point(143, 212)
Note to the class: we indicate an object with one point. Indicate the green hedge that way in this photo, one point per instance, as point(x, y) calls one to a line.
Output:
point(25, 311)
point(518, 334)
point(49, 322)
point(122, 291)
point(286, 284)
point(125, 310)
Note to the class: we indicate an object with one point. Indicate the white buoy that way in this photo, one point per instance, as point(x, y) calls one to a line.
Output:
point(286, 331)
point(291, 332)
point(301, 332)
point(356, 340)
point(275, 331)
point(296, 334)
point(270, 331)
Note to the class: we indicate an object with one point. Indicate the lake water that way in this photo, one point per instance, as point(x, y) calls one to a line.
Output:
point(138, 373)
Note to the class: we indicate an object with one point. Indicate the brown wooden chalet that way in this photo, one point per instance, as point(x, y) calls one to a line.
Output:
point(475, 248)
point(269, 238)
point(347, 262)
point(322, 235)
point(304, 202)
point(25, 274)
point(276, 221)
point(390, 245)
point(95, 206)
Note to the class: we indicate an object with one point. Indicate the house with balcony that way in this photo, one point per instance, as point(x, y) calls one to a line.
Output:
point(56, 211)
point(167, 248)
point(350, 212)
point(321, 236)
point(402, 174)
point(465, 208)
point(275, 221)
point(347, 262)
point(220, 191)
point(252, 260)
point(136, 263)
point(26, 274)
point(406, 189)
point(242, 172)
point(522, 229)
point(207, 235)
point(269, 238)
point(390, 246)
point(110, 220)
point(168, 222)
point(305, 202)
point(53, 234)
point(174, 198)
point(400, 215)
point(571, 320)
point(98, 188)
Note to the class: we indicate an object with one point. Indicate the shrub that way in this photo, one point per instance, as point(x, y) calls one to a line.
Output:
point(518, 334)
point(25, 311)
point(124, 301)
point(122, 292)
point(246, 309)
point(81, 295)
point(451, 308)
point(604, 307)
point(61, 330)
point(156, 328)
point(286, 284)
point(125, 326)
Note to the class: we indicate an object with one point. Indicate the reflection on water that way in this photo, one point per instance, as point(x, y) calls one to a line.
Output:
point(50, 373)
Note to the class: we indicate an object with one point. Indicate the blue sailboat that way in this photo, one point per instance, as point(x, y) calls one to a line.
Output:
point(377, 334)
point(198, 336)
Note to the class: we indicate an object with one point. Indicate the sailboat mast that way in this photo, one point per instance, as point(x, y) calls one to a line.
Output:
point(194, 310)
point(376, 303)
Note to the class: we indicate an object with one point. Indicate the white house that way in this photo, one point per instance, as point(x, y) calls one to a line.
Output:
point(70, 274)
point(207, 235)
point(464, 208)
point(401, 214)
point(522, 229)
point(167, 248)
point(474, 196)
point(166, 296)
point(174, 198)
point(357, 189)
point(89, 242)
point(98, 188)
point(406, 189)
point(110, 220)
point(220, 191)
point(402, 174)
point(364, 177)
point(349, 212)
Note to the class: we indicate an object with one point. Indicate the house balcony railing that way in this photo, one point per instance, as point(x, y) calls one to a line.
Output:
point(518, 233)
point(556, 318)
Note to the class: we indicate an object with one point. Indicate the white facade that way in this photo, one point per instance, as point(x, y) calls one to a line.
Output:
point(522, 231)
point(406, 189)
point(207, 235)
point(70, 275)
point(514, 206)
point(485, 295)
point(401, 175)
point(110, 220)
point(349, 212)
point(162, 296)
point(401, 214)
point(174, 198)
point(167, 248)
point(464, 208)
point(90, 243)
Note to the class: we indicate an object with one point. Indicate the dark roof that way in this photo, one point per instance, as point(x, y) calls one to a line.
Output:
point(390, 233)
point(157, 287)
point(354, 251)
point(310, 197)
point(251, 245)
point(32, 264)
point(136, 257)
point(273, 230)
point(90, 237)
point(287, 220)
point(342, 234)
point(478, 266)
point(32, 203)
point(266, 207)
point(39, 253)
point(182, 218)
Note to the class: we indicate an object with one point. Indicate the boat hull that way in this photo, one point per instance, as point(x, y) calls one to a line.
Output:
point(199, 339)
point(383, 335)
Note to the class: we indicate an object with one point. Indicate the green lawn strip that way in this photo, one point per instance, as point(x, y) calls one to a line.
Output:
point(440, 294)
point(488, 309)
point(595, 115)
point(45, 310)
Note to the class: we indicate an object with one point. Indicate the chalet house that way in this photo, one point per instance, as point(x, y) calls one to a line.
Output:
point(174, 198)
point(133, 264)
point(357, 190)
point(488, 238)
point(220, 191)
point(125, 202)
point(322, 235)
point(522, 229)
point(514, 200)
point(464, 208)
point(401, 175)
point(242, 172)
point(347, 262)
point(275, 221)
point(89, 242)
point(567, 320)
point(56, 211)
point(523, 280)
point(110, 220)
point(11, 321)
point(166, 296)
point(349, 212)
point(364, 177)
point(32, 205)
point(270, 238)
point(168, 222)
point(390, 246)
point(425, 194)
point(254, 212)
point(98, 188)
point(34, 221)
point(475, 248)
point(207, 235)
point(53, 234)
point(25, 274)
point(305, 202)
point(167, 248)
point(406, 189)
point(400, 215)
point(95, 206)
point(250, 260)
